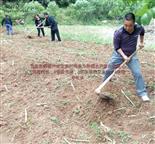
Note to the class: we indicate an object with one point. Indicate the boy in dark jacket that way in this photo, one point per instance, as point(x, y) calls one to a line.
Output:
point(8, 24)
point(50, 21)
point(39, 25)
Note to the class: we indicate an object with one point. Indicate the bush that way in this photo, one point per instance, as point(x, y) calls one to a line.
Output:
point(52, 9)
point(93, 10)
point(66, 16)
point(34, 7)
point(31, 9)
point(119, 9)
point(145, 11)
point(1, 15)
point(62, 15)
point(83, 10)
point(11, 9)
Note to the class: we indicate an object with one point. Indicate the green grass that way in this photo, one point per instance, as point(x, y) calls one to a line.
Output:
point(96, 128)
point(102, 34)
point(91, 34)
point(150, 47)
point(124, 136)
point(87, 38)
point(55, 120)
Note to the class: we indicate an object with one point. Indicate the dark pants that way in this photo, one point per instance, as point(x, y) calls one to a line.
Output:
point(42, 30)
point(53, 33)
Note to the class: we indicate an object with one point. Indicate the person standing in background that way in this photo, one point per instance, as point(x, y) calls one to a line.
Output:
point(8, 24)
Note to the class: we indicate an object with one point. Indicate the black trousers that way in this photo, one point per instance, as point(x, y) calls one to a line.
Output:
point(53, 33)
point(42, 30)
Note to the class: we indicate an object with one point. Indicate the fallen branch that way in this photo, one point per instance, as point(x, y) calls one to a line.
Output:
point(6, 88)
point(22, 126)
point(127, 98)
point(152, 117)
point(132, 116)
point(150, 141)
point(72, 86)
point(13, 63)
point(119, 109)
point(105, 128)
point(107, 138)
point(66, 141)
point(41, 104)
point(25, 115)
point(79, 140)
point(74, 90)
point(112, 141)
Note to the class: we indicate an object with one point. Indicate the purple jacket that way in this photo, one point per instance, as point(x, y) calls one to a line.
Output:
point(126, 41)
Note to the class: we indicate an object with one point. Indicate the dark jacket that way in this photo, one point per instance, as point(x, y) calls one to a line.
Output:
point(50, 21)
point(38, 23)
point(6, 20)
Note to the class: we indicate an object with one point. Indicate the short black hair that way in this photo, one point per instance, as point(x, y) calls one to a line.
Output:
point(45, 13)
point(130, 16)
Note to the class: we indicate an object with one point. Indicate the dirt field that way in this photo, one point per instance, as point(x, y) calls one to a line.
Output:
point(57, 108)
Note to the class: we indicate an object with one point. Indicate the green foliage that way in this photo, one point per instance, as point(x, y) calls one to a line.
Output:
point(80, 11)
point(124, 136)
point(145, 10)
point(52, 8)
point(44, 2)
point(64, 3)
point(119, 9)
point(55, 120)
point(33, 7)
point(90, 11)
point(146, 18)
point(17, 15)
point(11, 9)
point(1, 14)
point(60, 3)
point(153, 12)
point(83, 10)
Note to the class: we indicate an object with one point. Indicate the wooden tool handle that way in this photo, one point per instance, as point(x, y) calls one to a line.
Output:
point(98, 90)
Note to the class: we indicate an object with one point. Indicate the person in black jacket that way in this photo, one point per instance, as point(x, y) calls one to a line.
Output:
point(50, 21)
point(8, 24)
point(39, 25)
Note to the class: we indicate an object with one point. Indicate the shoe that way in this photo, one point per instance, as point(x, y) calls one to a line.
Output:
point(145, 98)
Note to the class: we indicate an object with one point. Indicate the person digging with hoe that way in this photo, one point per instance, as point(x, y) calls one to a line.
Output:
point(125, 42)
point(50, 22)
point(39, 25)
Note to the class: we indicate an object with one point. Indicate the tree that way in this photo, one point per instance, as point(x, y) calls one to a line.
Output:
point(144, 10)
point(60, 3)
